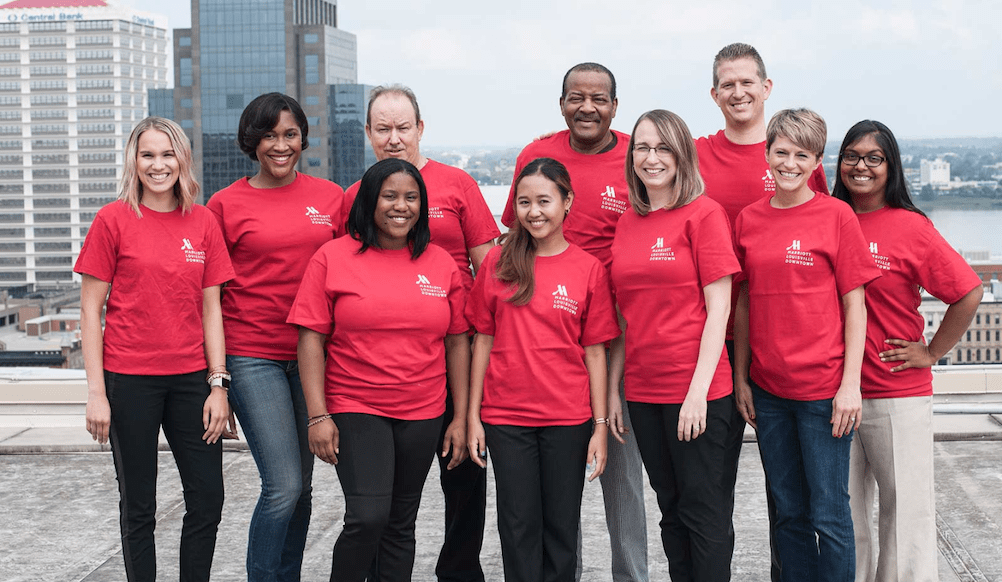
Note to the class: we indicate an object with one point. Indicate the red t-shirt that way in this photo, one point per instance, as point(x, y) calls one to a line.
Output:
point(660, 264)
point(271, 233)
point(799, 262)
point(537, 374)
point(158, 266)
point(737, 175)
point(387, 316)
point(458, 215)
point(601, 195)
point(911, 254)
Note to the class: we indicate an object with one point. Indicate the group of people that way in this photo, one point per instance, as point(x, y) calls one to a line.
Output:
point(705, 283)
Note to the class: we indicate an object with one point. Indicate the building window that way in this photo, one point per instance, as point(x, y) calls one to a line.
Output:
point(313, 162)
point(969, 358)
point(311, 38)
point(184, 41)
point(185, 66)
point(312, 64)
point(187, 103)
point(968, 335)
point(977, 336)
point(312, 100)
point(234, 101)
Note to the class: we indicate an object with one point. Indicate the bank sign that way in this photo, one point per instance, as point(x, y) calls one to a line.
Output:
point(108, 13)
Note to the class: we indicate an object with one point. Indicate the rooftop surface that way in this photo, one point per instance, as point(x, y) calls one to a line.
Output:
point(61, 511)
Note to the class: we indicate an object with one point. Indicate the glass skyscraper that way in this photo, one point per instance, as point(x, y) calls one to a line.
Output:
point(237, 50)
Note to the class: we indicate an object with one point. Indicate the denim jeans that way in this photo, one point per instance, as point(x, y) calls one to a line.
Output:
point(268, 399)
point(808, 474)
point(140, 405)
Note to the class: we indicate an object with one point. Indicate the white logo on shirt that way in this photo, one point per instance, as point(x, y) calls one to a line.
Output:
point(190, 254)
point(435, 212)
point(562, 301)
point(881, 261)
point(317, 218)
point(768, 182)
point(661, 253)
point(795, 256)
point(427, 288)
point(610, 202)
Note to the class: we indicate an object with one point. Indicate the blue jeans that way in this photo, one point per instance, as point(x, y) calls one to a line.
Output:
point(808, 474)
point(268, 399)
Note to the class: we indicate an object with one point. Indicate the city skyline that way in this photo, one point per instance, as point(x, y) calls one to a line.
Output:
point(925, 69)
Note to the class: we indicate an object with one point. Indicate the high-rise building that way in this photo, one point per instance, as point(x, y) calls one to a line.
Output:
point(235, 51)
point(74, 76)
point(934, 172)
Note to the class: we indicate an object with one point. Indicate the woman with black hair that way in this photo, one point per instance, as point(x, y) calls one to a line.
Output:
point(273, 222)
point(389, 307)
point(892, 451)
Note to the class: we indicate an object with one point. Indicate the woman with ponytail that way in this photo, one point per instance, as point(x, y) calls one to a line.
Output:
point(542, 309)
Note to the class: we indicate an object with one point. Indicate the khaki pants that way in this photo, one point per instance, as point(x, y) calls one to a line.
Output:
point(892, 455)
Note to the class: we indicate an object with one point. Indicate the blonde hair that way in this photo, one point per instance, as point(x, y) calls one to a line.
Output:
point(802, 126)
point(130, 190)
point(688, 184)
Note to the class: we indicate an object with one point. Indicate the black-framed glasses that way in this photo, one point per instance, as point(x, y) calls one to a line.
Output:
point(871, 160)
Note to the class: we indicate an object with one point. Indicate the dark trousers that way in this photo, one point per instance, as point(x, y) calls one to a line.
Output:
point(140, 405)
point(539, 473)
point(465, 491)
point(775, 566)
point(382, 465)
point(694, 483)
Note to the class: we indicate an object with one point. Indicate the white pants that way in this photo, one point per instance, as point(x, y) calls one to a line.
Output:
point(892, 454)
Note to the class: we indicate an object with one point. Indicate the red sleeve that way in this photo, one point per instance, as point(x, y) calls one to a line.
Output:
point(314, 304)
point(457, 303)
point(218, 268)
point(99, 253)
point(854, 264)
point(818, 182)
point(943, 272)
point(599, 322)
point(349, 200)
point(481, 303)
point(477, 221)
point(739, 251)
point(713, 250)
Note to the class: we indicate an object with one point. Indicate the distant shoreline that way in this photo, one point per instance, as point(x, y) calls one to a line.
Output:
point(960, 203)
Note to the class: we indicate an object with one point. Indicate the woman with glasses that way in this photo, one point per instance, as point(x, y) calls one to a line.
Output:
point(672, 263)
point(892, 451)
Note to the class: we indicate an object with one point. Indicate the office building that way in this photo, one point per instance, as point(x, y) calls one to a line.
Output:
point(936, 173)
point(235, 51)
point(74, 76)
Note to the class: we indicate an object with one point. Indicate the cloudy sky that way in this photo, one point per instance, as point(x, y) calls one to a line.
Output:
point(488, 73)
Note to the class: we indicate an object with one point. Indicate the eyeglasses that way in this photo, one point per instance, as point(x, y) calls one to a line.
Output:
point(662, 151)
point(871, 161)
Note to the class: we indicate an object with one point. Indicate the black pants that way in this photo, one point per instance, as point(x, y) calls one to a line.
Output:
point(382, 465)
point(465, 491)
point(539, 473)
point(140, 405)
point(694, 483)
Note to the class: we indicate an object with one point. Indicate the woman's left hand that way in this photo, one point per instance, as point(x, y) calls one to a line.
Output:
point(215, 413)
point(847, 408)
point(598, 448)
point(455, 441)
point(912, 354)
point(691, 418)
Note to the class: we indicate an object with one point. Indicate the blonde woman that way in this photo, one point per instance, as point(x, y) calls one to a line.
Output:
point(160, 359)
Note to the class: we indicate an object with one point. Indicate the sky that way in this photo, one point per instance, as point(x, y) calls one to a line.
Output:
point(489, 73)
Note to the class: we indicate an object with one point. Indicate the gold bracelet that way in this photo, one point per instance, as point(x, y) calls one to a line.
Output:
point(317, 420)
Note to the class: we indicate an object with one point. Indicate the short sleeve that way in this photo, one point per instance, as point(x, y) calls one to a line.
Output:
point(477, 221)
point(480, 304)
point(218, 268)
point(314, 304)
point(457, 303)
point(943, 272)
point(99, 253)
point(853, 262)
point(739, 251)
point(599, 323)
point(712, 247)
